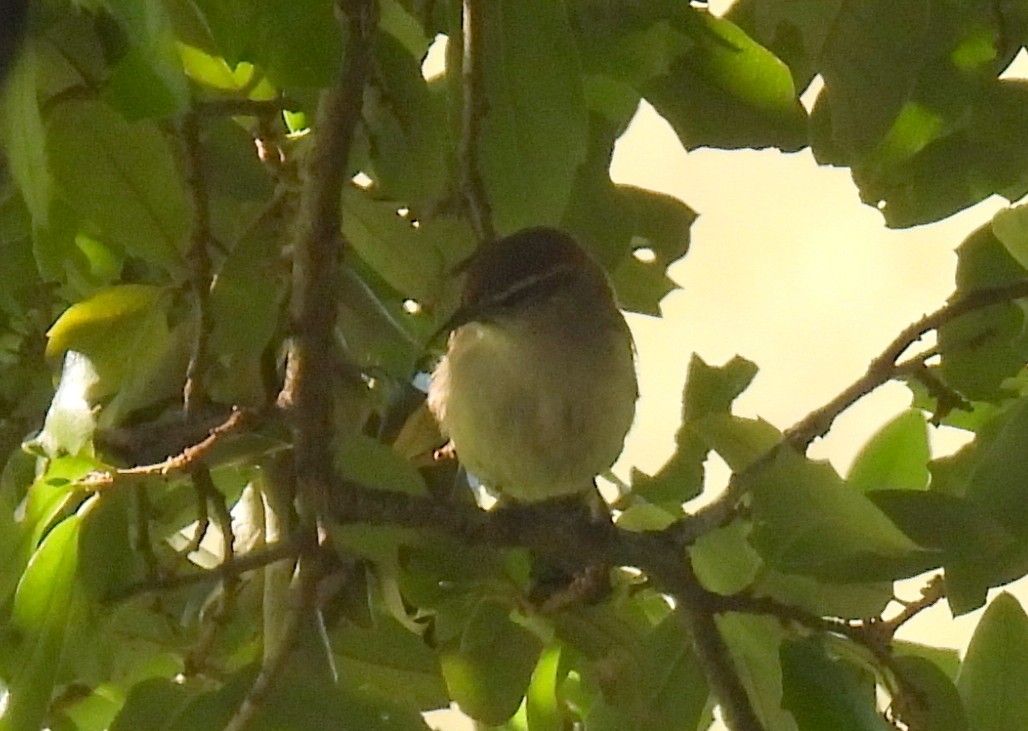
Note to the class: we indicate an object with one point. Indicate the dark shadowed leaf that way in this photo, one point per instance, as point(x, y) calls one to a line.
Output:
point(121, 177)
point(927, 698)
point(535, 130)
point(825, 694)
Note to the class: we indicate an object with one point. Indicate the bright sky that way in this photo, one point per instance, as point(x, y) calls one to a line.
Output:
point(787, 268)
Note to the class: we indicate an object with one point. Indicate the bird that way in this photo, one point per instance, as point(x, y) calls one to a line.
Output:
point(537, 388)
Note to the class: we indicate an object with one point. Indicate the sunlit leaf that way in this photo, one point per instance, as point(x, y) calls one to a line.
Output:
point(991, 682)
point(45, 606)
point(806, 520)
point(488, 670)
point(895, 457)
point(122, 330)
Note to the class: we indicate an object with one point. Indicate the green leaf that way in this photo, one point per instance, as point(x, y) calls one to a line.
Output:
point(709, 390)
point(407, 128)
point(723, 89)
point(661, 688)
point(794, 31)
point(152, 705)
point(618, 223)
point(992, 682)
point(245, 307)
point(823, 597)
point(369, 462)
point(999, 482)
point(122, 330)
point(807, 521)
point(488, 670)
point(825, 694)
point(21, 129)
point(927, 697)
point(895, 457)
point(121, 177)
point(986, 153)
point(375, 330)
point(534, 133)
point(301, 700)
point(977, 551)
point(391, 246)
point(659, 225)
point(739, 442)
point(148, 80)
point(724, 560)
point(393, 664)
point(983, 260)
point(980, 351)
point(755, 644)
point(542, 704)
point(1010, 226)
point(675, 686)
point(945, 659)
point(107, 558)
point(870, 61)
point(45, 606)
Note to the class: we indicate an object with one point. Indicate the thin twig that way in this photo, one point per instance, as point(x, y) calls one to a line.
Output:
point(259, 558)
point(199, 259)
point(931, 594)
point(180, 463)
point(203, 522)
point(882, 368)
point(305, 592)
point(473, 111)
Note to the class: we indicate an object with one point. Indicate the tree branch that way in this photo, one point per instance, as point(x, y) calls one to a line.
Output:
point(882, 368)
point(573, 542)
point(317, 253)
point(181, 463)
point(307, 393)
point(473, 111)
point(233, 568)
point(199, 260)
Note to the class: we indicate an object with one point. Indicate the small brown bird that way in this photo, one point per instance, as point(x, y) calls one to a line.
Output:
point(537, 388)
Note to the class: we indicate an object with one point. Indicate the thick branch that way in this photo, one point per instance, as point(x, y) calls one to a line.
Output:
point(307, 392)
point(572, 542)
point(317, 254)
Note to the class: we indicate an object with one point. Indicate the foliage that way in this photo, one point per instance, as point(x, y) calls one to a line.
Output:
point(157, 160)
